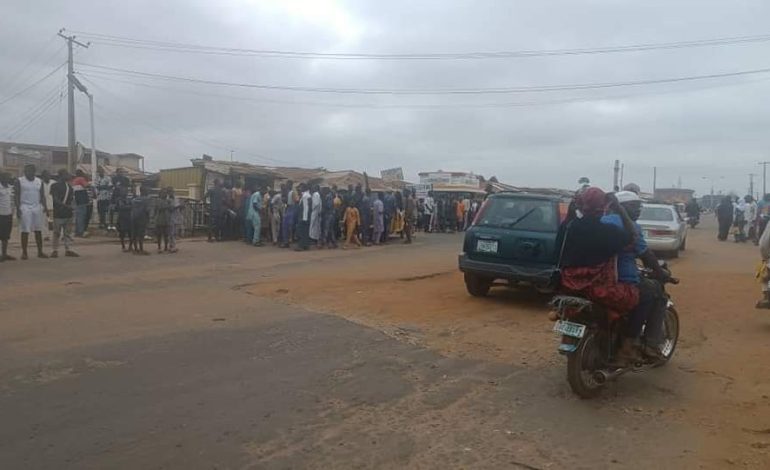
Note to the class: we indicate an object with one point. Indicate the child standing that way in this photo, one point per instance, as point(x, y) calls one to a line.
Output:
point(352, 220)
point(162, 219)
point(140, 214)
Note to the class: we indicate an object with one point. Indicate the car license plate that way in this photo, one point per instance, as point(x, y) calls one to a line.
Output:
point(576, 330)
point(486, 246)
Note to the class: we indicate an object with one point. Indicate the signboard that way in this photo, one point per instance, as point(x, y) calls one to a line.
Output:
point(392, 174)
point(421, 190)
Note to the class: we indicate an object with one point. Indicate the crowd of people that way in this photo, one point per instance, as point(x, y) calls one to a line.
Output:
point(301, 216)
point(305, 215)
point(53, 208)
point(746, 217)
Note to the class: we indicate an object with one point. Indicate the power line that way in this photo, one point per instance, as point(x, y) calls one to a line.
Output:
point(31, 85)
point(127, 80)
point(456, 91)
point(166, 131)
point(19, 77)
point(36, 113)
point(123, 41)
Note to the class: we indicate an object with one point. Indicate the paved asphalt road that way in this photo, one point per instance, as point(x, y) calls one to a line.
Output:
point(118, 361)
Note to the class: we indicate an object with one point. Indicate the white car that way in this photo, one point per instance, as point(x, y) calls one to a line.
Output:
point(664, 229)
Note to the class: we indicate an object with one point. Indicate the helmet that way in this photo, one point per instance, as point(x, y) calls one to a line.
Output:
point(627, 196)
point(633, 187)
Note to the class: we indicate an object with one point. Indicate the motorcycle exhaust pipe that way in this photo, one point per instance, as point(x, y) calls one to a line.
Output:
point(603, 376)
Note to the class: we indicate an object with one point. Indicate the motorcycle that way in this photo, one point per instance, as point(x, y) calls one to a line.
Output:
point(590, 338)
point(693, 220)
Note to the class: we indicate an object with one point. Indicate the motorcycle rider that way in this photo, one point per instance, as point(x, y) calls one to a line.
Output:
point(652, 301)
point(692, 209)
point(588, 266)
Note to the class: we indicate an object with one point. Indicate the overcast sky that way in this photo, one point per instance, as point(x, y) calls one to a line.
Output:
point(690, 130)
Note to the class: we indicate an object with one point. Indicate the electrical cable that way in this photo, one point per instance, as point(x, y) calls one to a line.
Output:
point(123, 41)
point(31, 85)
point(456, 91)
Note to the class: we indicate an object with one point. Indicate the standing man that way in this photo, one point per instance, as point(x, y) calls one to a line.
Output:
point(329, 213)
point(277, 208)
point(751, 218)
point(80, 185)
point(289, 215)
point(429, 206)
point(47, 182)
point(389, 210)
point(31, 209)
point(254, 217)
point(316, 205)
point(466, 212)
point(6, 214)
point(62, 196)
point(103, 186)
point(410, 211)
point(303, 225)
point(215, 197)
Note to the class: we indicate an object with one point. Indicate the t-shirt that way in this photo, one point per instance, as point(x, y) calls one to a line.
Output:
point(140, 211)
point(62, 195)
point(627, 270)
point(216, 198)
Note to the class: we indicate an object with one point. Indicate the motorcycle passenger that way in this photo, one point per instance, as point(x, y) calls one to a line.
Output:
point(652, 301)
point(588, 261)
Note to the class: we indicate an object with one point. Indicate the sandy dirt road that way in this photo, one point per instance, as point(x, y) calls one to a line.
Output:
point(226, 356)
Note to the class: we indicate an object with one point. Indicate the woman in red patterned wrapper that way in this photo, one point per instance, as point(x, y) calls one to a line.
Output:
point(589, 259)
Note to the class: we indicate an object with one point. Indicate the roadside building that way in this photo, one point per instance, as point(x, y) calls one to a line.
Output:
point(14, 155)
point(673, 195)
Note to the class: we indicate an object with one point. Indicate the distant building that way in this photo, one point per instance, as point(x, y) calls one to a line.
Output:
point(673, 195)
point(14, 155)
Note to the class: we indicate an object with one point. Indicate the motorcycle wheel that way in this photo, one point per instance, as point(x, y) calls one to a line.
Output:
point(670, 335)
point(582, 364)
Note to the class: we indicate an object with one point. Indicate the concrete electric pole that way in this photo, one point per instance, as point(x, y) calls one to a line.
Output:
point(764, 177)
point(616, 176)
point(751, 184)
point(71, 139)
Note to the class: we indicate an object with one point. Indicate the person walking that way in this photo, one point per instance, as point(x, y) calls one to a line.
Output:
point(62, 197)
point(378, 211)
point(122, 204)
point(751, 218)
point(289, 215)
point(6, 214)
point(429, 206)
point(103, 185)
point(724, 215)
point(30, 209)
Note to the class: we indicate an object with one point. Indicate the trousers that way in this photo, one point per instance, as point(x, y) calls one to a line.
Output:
point(62, 231)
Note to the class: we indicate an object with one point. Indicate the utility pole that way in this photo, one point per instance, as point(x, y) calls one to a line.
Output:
point(622, 170)
point(654, 180)
point(616, 176)
point(751, 184)
point(764, 177)
point(71, 139)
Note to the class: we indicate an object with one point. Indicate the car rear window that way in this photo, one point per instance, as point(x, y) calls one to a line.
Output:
point(657, 214)
point(537, 215)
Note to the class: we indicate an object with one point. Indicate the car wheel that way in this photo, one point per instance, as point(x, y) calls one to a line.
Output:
point(476, 285)
point(674, 254)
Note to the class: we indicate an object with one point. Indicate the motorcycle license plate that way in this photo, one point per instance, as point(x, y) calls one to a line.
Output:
point(576, 330)
point(486, 246)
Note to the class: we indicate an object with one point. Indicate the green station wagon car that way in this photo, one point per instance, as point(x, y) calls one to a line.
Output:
point(513, 239)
